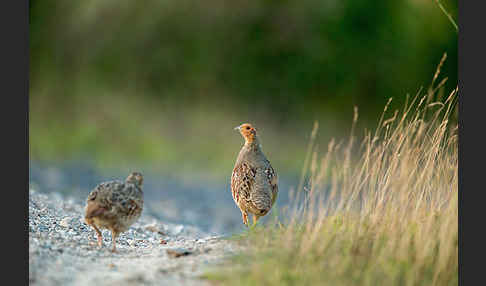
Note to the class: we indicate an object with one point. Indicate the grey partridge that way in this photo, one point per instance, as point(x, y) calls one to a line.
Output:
point(253, 181)
point(115, 205)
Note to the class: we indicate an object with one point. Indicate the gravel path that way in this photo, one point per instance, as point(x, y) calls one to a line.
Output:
point(63, 249)
point(189, 200)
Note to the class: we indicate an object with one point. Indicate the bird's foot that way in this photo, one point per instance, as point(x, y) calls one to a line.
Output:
point(100, 242)
point(245, 219)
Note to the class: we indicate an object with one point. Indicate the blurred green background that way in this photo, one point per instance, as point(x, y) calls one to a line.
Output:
point(161, 84)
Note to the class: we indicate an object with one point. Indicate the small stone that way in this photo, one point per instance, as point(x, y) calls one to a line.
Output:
point(207, 250)
point(65, 222)
point(178, 252)
point(153, 228)
point(178, 229)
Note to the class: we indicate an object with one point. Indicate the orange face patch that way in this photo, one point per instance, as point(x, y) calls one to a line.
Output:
point(248, 132)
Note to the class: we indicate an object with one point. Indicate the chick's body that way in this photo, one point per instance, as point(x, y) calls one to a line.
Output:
point(115, 205)
point(254, 183)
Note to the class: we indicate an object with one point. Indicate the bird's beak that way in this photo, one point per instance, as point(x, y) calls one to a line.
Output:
point(237, 127)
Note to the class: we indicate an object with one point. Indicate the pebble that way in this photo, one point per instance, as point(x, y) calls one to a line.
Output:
point(153, 228)
point(65, 222)
point(178, 229)
point(178, 252)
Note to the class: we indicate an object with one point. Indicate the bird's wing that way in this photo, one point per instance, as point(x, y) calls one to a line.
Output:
point(94, 205)
point(242, 181)
point(264, 192)
point(93, 209)
point(101, 199)
point(127, 199)
point(273, 181)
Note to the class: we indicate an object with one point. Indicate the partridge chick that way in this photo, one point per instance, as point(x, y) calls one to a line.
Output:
point(253, 181)
point(115, 205)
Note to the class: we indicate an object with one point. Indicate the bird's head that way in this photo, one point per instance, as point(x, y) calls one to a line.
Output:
point(135, 178)
point(248, 132)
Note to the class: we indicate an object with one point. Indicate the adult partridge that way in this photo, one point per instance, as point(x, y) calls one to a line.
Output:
point(253, 181)
point(115, 205)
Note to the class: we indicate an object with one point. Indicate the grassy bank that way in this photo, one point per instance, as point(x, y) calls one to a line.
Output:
point(388, 216)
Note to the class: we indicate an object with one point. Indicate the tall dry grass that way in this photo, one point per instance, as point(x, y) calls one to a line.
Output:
point(382, 211)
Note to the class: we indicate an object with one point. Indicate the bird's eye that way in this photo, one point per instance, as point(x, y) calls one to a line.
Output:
point(247, 128)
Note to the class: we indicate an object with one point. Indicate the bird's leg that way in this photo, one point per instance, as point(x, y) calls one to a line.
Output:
point(245, 217)
point(255, 219)
point(114, 235)
point(100, 236)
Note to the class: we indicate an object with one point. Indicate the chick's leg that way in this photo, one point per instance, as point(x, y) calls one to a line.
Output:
point(100, 236)
point(244, 215)
point(98, 233)
point(114, 235)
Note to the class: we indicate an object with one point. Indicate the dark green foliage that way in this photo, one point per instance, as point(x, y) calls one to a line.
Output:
point(291, 55)
point(196, 66)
